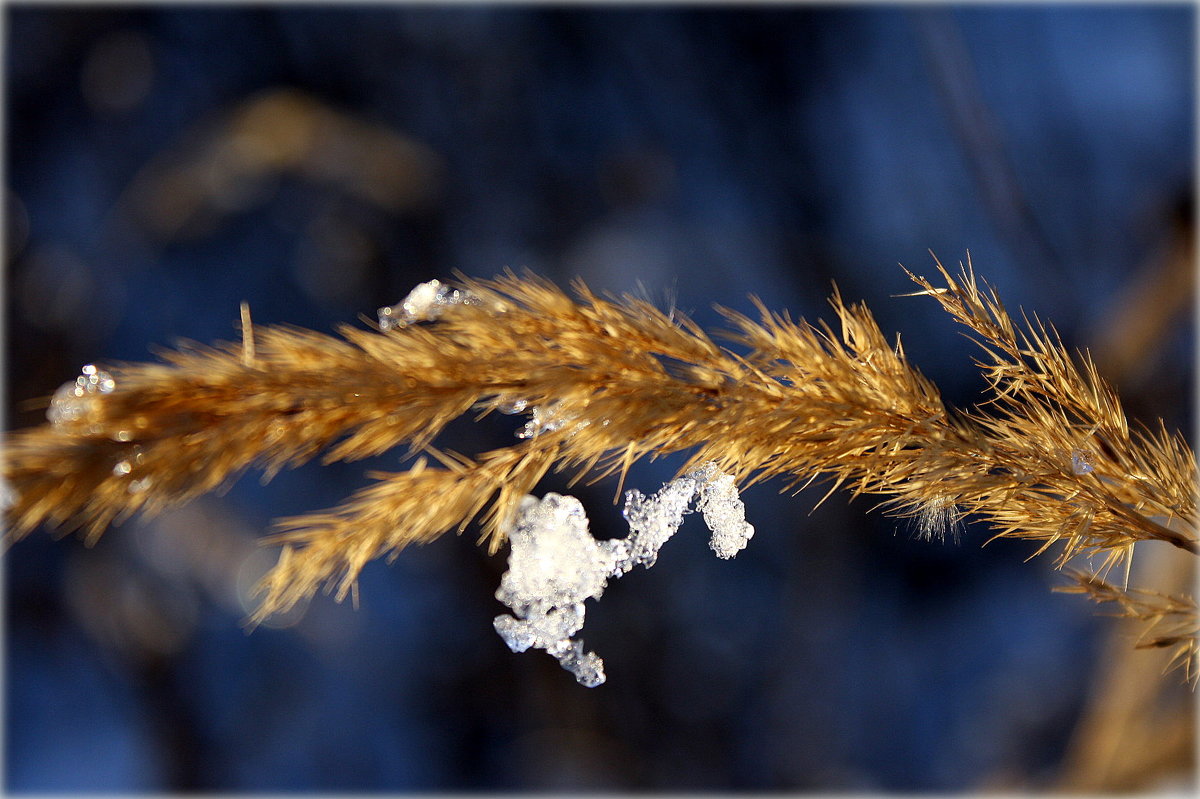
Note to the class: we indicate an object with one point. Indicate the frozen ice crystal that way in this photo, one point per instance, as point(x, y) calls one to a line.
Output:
point(424, 303)
point(588, 667)
point(1081, 462)
point(512, 406)
point(554, 562)
point(555, 565)
point(78, 400)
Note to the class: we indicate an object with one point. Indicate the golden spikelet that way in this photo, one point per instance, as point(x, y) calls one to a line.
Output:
point(1170, 622)
point(1048, 457)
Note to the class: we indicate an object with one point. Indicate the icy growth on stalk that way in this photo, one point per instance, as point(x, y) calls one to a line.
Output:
point(78, 399)
point(423, 304)
point(555, 564)
point(1081, 462)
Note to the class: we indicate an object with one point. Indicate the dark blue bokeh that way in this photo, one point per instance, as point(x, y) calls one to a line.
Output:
point(693, 156)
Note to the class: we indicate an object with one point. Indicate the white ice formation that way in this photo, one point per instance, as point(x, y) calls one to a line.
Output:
point(77, 400)
point(423, 304)
point(1081, 462)
point(555, 564)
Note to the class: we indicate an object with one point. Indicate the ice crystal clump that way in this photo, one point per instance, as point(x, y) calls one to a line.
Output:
point(1081, 462)
point(555, 564)
point(78, 399)
point(653, 520)
point(423, 304)
point(724, 512)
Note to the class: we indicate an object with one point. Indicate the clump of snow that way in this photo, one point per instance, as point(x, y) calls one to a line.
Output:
point(723, 510)
point(423, 304)
point(555, 564)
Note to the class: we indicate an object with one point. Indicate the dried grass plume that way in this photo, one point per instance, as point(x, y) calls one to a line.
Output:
point(1049, 456)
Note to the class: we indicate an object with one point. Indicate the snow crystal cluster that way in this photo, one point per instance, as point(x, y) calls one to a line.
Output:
point(555, 564)
point(78, 399)
point(423, 304)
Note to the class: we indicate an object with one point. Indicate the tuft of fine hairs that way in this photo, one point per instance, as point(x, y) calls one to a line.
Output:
point(937, 519)
point(604, 382)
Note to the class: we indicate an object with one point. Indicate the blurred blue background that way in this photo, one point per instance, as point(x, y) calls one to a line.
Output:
point(165, 164)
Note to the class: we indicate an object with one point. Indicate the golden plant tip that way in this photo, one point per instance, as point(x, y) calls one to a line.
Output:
point(247, 329)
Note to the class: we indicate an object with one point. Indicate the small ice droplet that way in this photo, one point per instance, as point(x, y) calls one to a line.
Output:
point(123, 468)
point(545, 419)
point(78, 400)
point(423, 304)
point(8, 495)
point(140, 485)
point(511, 407)
point(554, 565)
point(1081, 462)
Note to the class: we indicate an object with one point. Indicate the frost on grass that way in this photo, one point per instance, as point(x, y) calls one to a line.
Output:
point(78, 400)
point(555, 564)
point(423, 304)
